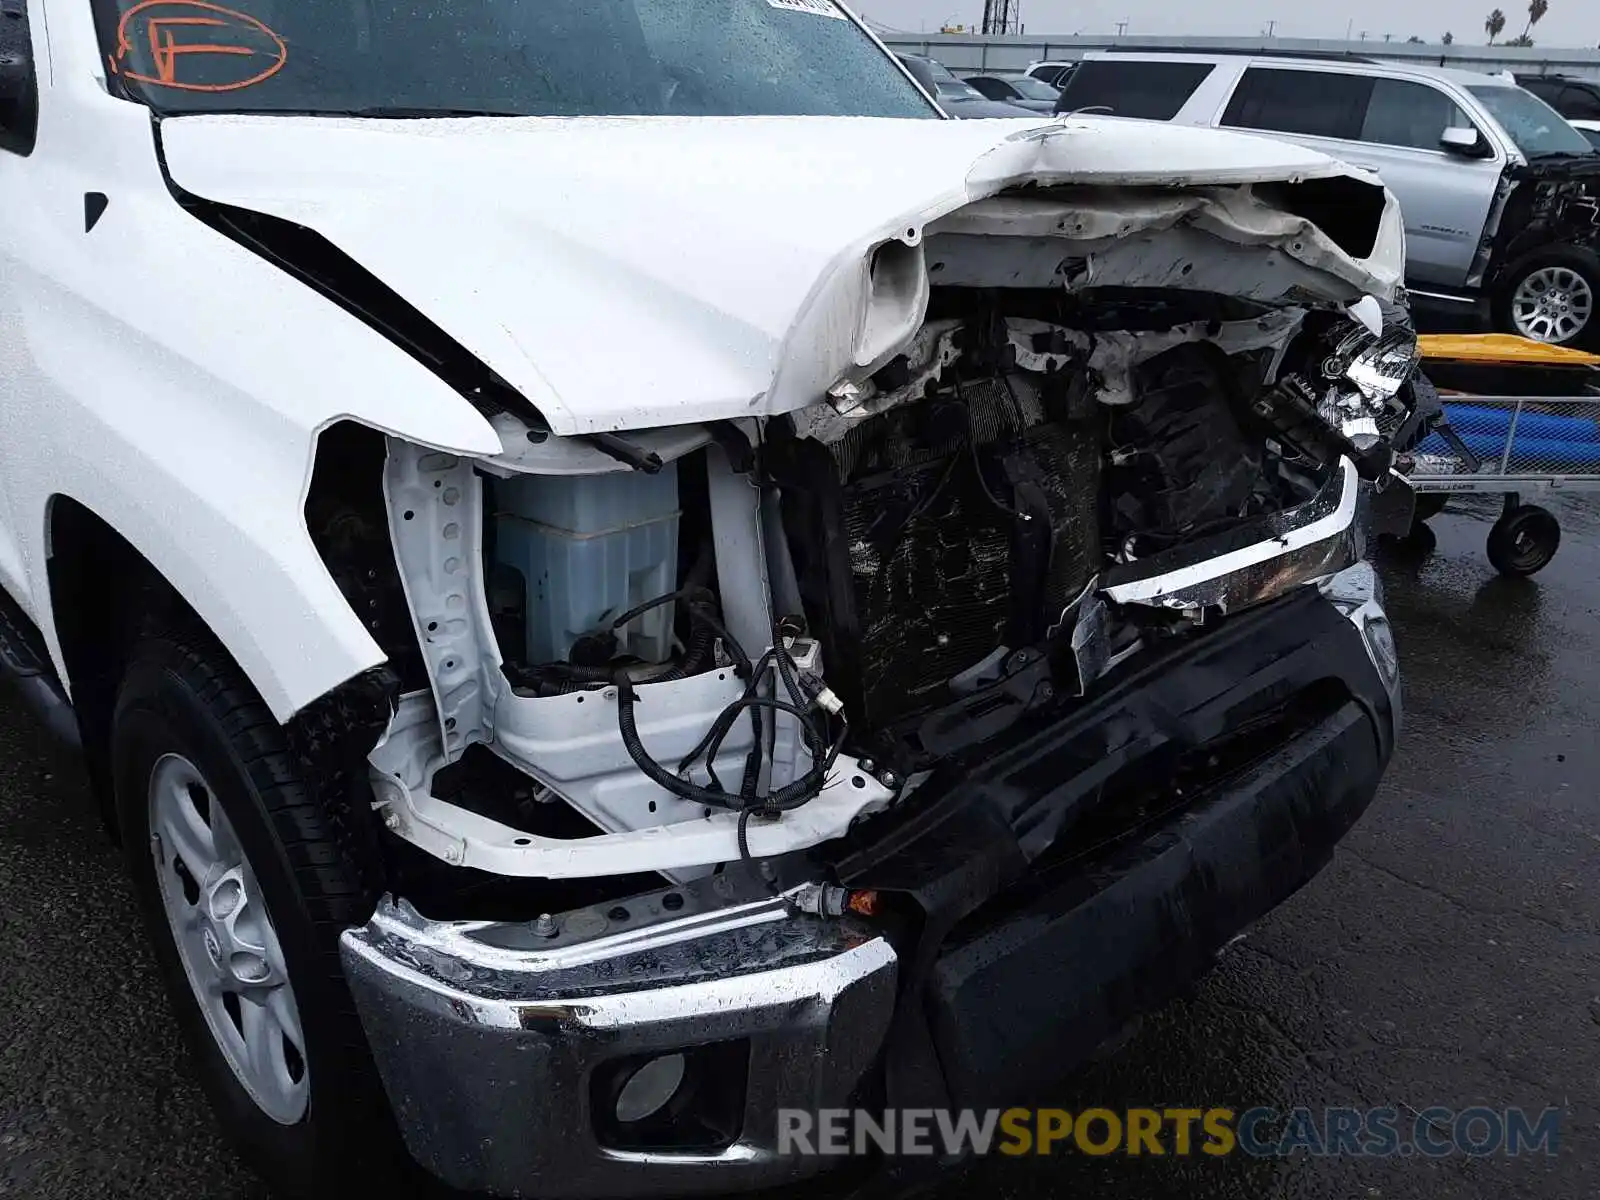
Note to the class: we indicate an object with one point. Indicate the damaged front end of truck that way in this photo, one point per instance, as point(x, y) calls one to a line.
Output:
point(729, 731)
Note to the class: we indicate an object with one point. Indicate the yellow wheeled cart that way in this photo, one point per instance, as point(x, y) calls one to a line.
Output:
point(1516, 417)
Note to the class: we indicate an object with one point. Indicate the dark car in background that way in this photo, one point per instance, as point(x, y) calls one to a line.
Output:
point(956, 97)
point(1575, 99)
point(1024, 91)
point(1578, 100)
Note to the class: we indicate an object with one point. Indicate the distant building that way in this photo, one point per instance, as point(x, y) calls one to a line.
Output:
point(965, 51)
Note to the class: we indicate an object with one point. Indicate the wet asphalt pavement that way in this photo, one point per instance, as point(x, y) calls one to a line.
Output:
point(1447, 956)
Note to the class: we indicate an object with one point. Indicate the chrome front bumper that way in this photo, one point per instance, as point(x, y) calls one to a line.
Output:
point(495, 1041)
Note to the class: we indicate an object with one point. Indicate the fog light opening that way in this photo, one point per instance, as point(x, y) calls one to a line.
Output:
point(650, 1088)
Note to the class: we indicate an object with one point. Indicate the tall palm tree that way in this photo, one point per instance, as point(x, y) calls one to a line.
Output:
point(1495, 25)
point(1536, 11)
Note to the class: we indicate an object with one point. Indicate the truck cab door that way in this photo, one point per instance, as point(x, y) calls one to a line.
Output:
point(19, 109)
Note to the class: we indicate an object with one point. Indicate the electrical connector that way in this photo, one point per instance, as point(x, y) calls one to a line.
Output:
point(819, 899)
point(821, 694)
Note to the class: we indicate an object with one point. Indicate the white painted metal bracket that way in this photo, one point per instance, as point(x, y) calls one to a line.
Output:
point(436, 526)
point(407, 759)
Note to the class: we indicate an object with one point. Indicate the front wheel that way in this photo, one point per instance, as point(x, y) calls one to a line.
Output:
point(245, 891)
point(1552, 297)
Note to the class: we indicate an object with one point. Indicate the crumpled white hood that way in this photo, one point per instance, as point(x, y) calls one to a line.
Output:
point(634, 272)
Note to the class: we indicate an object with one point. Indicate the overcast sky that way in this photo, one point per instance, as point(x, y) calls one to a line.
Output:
point(1568, 23)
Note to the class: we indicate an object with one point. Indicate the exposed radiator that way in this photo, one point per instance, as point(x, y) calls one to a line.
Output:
point(944, 567)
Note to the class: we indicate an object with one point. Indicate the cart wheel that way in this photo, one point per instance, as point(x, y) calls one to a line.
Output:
point(1430, 505)
point(1419, 542)
point(1524, 540)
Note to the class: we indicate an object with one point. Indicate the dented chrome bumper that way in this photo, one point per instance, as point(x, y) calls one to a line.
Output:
point(503, 1048)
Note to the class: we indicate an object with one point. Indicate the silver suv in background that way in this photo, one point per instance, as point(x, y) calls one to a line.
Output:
point(1500, 195)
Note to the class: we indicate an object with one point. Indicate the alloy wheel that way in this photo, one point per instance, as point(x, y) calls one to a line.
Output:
point(226, 941)
point(1553, 304)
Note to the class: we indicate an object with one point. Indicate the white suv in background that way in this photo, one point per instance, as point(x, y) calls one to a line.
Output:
point(1052, 71)
point(1498, 192)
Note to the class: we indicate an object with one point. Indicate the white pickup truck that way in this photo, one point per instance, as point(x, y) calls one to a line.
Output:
point(616, 571)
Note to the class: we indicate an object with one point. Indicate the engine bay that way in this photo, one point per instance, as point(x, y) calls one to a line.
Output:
point(737, 640)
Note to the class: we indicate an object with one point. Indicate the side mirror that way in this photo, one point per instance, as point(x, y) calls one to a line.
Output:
point(1466, 142)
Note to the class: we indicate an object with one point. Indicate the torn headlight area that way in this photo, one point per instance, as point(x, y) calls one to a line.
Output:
point(1365, 372)
point(1378, 367)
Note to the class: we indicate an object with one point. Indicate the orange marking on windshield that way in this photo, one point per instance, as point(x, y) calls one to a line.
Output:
point(256, 51)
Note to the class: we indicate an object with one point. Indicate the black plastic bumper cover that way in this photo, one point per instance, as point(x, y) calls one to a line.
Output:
point(1061, 975)
point(1035, 948)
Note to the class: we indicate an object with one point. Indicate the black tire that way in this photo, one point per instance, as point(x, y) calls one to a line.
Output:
point(1584, 263)
point(1429, 505)
point(182, 695)
point(1524, 540)
point(1419, 543)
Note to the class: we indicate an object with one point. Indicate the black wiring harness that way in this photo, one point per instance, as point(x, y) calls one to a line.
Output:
point(803, 705)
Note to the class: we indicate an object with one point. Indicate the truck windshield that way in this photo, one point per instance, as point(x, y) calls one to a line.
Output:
point(1537, 129)
point(558, 58)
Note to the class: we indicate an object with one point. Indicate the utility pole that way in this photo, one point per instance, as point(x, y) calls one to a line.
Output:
point(1122, 28)
point(1271, 25)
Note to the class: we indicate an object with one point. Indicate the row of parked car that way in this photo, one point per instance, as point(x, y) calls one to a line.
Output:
point(1497, 176)
point(982, 95)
